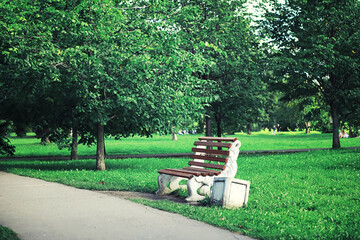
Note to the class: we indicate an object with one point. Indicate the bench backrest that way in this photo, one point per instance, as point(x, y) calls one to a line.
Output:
point(210, 149)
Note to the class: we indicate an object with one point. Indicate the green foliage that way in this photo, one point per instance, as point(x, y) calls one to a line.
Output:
point(7, 234)
point(82, 64)
point(317, 53)
point(5, 146)
point(292, 196)
point(296, 113)
point(221, 32)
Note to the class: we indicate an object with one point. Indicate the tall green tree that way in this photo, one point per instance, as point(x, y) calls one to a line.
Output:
point(5, 147)
point(317, 53)
point(305, 113)
point(109, 67)
point(221, 32)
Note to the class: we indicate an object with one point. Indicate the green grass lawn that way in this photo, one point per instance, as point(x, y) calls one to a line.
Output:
point(312, 195)
point(162, 144)
point(7, 234)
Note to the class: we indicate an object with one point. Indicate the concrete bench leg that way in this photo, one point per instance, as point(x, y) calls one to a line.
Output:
point(164, 180)
point(203, 184)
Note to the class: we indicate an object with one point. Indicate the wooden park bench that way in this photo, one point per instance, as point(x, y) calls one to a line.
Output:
point(207, 162)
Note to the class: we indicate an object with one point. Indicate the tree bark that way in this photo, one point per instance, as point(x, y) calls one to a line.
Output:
point(43, 134)
point(100, 150)
point(218, 124)
point(45, 140)
point(74, 145)
point(208, 129)
point(173, 133)
point(307, 129)
point(336, 123)
point(248, 128)
point(351, 133)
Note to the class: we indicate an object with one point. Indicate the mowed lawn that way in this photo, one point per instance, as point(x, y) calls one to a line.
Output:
point(312, 195)
point(30, 146)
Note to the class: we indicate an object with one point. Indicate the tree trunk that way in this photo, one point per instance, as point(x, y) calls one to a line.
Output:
point(351, 133)
point(100, 150)
point(336, 123)
point(218, 124)
point(45, 140)
point(307, 129)
point(208, 129)
point(74, 145)
point(248, 128)
point(173, 133)
point(174, 137)
point(43, 134)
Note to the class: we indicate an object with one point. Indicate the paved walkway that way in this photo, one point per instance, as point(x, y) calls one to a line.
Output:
point(38, 210)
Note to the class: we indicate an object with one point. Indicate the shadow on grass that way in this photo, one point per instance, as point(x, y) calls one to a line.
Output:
point(88, 165)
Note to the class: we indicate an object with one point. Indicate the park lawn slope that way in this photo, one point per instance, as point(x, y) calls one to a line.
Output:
point(313, 195)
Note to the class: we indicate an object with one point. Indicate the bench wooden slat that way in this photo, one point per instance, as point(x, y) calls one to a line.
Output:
point(178, 174)
point(210, 151)
point(216, 159)
point(199, 168)
point(212, 144)
point(218, 139)
point(196, 173)
point(202, 170)
point(207, 165)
